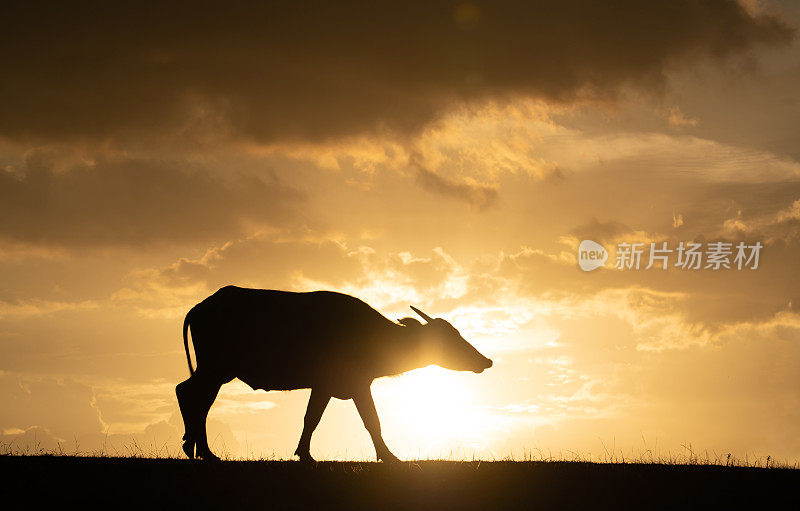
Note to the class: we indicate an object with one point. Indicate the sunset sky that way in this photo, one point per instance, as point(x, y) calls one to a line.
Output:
point(447, 155)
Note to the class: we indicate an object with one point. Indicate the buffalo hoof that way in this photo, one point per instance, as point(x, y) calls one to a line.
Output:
point(207, 455)
point(388, 458)
point(305, 457)
point(188, 449)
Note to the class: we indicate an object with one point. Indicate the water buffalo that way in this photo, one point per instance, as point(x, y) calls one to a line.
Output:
point(332, 343)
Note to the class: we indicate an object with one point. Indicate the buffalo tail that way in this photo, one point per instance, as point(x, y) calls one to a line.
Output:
point(186, 341)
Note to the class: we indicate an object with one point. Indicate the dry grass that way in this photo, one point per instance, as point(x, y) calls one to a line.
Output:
point(165, 451)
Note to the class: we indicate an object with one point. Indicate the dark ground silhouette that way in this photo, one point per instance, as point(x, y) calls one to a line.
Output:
point(113, 483)
point(332, 343)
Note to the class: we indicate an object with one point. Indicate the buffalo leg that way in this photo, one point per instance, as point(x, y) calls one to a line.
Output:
point(316, 406)
point(369, 415)
point(208, 393)
point(195, 397)
point(187, 406)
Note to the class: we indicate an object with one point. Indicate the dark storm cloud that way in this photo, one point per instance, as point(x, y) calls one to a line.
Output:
point(133, 202)
point(310, 71)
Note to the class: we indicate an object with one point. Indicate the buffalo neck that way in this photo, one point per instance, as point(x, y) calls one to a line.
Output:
point(401, 353)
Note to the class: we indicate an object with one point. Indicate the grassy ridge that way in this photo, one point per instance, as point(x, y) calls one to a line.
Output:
point(114, 483)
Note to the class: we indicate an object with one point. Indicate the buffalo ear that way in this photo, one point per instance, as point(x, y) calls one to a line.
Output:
point(410, 322)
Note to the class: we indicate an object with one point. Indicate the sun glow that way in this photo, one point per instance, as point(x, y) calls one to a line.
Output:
point(434, 412)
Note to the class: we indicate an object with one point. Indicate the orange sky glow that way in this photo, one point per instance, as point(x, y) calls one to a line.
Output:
point(453, 164)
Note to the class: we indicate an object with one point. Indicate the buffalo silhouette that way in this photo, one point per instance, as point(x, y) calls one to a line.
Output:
point(332, 343)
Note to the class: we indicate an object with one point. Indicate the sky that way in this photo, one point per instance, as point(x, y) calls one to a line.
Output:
point(447, 155)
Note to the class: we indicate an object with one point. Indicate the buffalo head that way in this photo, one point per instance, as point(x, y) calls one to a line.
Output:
point(441, 344)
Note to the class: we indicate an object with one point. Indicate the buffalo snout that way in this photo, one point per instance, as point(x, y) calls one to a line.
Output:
point(487, 363)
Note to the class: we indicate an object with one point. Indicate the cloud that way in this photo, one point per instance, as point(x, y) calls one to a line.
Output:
point(478, 196)
point(269, 259)
point(671, 308)
point(292, 261)
point(790, 213)
point(133, 202)
point(29, 308)
point(602, 232)
point(677, 119)
point(284, 71)
point(61, 407)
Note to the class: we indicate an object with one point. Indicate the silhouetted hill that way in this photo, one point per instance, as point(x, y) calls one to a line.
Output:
point(114, 483)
